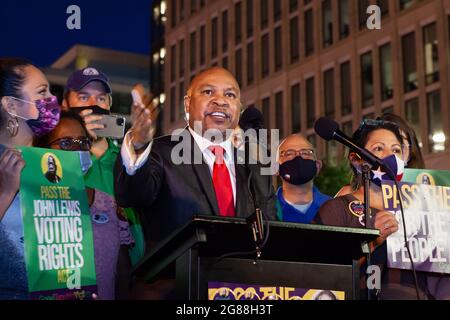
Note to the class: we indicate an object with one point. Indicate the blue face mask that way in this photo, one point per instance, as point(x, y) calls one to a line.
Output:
point(85, 161)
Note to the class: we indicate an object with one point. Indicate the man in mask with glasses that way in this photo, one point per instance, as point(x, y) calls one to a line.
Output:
point(88, 93)
point(298, 200)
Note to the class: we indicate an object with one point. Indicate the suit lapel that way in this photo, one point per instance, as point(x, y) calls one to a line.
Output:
point(241, 185)
point(204, 178)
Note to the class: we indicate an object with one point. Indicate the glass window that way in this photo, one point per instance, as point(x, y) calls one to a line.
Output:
point(238, 67)
point(238, 22)
point(344, 19)
point(181, 10)
point(346, 89)
point(181, 94)
point(293, 5)
point(181, 57)
point(279, 114)
point(409, 62)
point(294, 40)
point(367, 79)
point(347, 128)
point(310, 103)
point(405, 4)
point(224, 31)
point(436, 134)
point(276, 10)
point(193, 44)
point(386, 72)
point(328, 81)
point(214, 44)
point(202, 45)
point(266, 112)
point(431, 53)
point(265, 55)
point(295, 108)
point(362, 13)
point(250, 64)
point(173, 103)
point(327, 23)
point(309, 32)
point(249, 18)
point(193, 6)
point(225, 62)
point(412, 115)
point(278, 49)
point(173, 52)
point(264, 13)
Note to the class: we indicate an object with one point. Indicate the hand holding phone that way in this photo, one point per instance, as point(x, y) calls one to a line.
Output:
point(113, 126)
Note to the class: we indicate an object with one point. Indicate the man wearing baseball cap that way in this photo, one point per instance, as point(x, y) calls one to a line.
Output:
point(89, 89)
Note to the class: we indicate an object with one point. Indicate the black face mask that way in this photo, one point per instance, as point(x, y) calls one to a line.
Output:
point(298, 171)
point(95, 110)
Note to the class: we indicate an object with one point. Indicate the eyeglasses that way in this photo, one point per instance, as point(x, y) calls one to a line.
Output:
point(73, 144)
point(304, 153)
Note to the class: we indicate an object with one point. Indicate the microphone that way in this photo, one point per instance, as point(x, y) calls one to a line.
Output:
point(328, 129)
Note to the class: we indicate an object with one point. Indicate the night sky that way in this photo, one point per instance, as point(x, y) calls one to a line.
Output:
point(36, 30)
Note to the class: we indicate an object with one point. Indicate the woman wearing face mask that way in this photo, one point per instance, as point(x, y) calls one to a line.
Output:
point(27, 110)
point(385, 141)
point(110, 228)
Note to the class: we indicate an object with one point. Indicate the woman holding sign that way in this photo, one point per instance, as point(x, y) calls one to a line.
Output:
point(27, 110)
point(383, 139)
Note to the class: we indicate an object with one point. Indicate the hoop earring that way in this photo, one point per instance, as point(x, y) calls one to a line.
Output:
point(13, 127)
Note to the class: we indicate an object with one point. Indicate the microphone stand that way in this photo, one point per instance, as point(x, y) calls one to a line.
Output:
point(367, 216)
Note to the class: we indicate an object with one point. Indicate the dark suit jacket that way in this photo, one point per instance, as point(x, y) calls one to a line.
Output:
point(172, 193)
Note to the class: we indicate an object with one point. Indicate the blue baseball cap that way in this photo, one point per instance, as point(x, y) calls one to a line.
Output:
point(81, 78)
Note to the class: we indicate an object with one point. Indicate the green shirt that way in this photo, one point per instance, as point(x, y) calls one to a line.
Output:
point(101, 176)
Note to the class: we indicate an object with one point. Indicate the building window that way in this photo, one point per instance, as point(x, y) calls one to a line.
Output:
point(279, 114)
point(346, 89)
point(276, 10)
point(431, 53)
point(181, 94)
point(344, 19)
point(173, 14)
point(250, 64)
point(202, 45)
point(367, 79)
point(202, 3)
point(384, 7)
point(249, 18)
point(294, 40)
point(386, 72)
point(181, 9)
point(328, 82)
point(264, 13)
point(347, 128)
point(310, 103)
point(238, 67)
point(362, 13)
point(214, 44)
point(225, 62)
point(295, 108)
point(225, 31)
point(327, 23)
point(265, 55)
point(193, 6)
point(293, 5)
point(193, 44)
point(405, 4)
point(173, 103)
point(173, 52)
point(412, 115)
point(278, 49)
point(266, 112)
point(331, 152)
point(181, 57)
point(409, 62)
point(238, 22)
point(309, 32)
point(436, 135)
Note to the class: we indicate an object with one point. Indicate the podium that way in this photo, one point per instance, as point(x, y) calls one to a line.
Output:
point(296, 255)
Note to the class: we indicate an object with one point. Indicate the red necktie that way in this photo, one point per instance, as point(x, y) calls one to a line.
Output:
point(222, 183)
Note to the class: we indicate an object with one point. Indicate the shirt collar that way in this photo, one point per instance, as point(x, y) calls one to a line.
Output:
point(204, 144)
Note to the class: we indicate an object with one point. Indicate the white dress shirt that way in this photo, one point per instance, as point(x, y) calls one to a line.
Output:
point(132, 162)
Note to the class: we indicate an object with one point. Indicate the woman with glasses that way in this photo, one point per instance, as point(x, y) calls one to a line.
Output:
point(383, 139)
point(27, 110)
point(111, 230)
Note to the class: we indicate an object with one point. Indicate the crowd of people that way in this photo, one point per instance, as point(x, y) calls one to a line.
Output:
point(143, 180)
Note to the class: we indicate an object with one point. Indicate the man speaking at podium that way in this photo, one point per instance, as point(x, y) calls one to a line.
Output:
point(195, 170)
